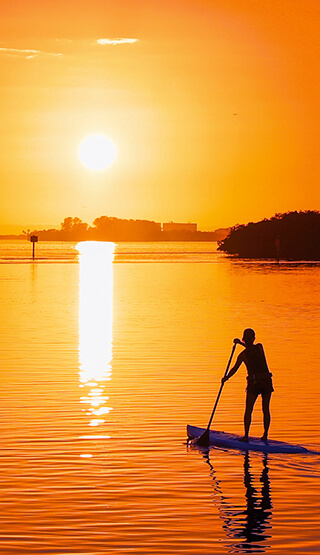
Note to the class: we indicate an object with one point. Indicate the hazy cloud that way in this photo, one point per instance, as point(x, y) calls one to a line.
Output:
point(26, 52)
point(116, 41)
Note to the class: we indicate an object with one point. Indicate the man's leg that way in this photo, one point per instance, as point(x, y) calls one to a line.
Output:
point(266, 414)
point(250, 401)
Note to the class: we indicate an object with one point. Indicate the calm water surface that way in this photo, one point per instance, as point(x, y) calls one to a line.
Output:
point(107, 352)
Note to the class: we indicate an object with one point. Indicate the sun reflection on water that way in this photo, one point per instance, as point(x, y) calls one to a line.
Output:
point(95, 327)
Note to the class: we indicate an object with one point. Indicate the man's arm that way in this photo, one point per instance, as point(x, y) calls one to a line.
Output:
point(233, 370)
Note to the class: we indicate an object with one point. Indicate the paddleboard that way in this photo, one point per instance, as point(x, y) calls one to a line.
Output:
point(232, 441)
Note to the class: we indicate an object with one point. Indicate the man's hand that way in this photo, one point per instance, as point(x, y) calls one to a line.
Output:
point(237, 341)
point(224, 379)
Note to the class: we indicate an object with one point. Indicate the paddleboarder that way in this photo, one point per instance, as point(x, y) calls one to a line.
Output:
point(259, 380)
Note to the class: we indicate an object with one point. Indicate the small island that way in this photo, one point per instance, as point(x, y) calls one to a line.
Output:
point(107, 228)
point(288, 236)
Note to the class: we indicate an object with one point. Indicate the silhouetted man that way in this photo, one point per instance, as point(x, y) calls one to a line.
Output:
point(259, 380)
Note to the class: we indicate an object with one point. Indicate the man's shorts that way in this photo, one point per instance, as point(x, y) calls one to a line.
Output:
point(260, 384)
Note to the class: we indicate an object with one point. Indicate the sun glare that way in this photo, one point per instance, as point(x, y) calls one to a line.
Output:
point(97, 152)
point(95, 327)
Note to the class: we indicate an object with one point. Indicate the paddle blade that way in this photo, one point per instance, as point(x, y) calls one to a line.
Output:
point(204, 439)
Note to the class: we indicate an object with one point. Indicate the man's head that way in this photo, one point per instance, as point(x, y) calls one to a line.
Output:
point(248, 336)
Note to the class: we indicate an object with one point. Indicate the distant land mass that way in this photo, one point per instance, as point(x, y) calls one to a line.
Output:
point(288, 236)
point(107, 228)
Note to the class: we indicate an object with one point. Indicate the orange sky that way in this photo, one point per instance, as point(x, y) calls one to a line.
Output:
point(167, 101)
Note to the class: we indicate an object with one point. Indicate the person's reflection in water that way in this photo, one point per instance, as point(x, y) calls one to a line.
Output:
point(251, 525)
point(258, 512)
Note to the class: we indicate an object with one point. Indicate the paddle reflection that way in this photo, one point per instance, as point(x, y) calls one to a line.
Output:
point(95, 326)
point(250, 525)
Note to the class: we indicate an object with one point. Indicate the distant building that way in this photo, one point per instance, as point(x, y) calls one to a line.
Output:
point(173, 226)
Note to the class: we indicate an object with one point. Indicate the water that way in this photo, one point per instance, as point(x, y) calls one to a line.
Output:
point(106, 356)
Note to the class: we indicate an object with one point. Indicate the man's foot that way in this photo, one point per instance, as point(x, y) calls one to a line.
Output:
point(264, 438)
point(245, 439)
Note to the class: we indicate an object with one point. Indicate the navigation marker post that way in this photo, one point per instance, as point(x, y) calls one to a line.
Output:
point(34, 240)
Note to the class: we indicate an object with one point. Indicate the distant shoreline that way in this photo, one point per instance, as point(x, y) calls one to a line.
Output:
point(162, 240)
point(119, 230)
point(131, 233)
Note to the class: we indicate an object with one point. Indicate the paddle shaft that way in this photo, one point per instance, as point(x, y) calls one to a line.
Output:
point(221, 386)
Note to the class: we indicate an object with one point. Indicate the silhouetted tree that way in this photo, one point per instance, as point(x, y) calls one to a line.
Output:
point(290, 236)
point(116, 229)
point(73, 229)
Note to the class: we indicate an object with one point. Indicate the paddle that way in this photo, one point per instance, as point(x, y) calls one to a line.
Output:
point(204, 438)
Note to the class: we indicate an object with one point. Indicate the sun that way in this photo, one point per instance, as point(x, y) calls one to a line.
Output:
point(97, 152)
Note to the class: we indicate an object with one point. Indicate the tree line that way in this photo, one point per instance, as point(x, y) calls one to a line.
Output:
point(107, 228)
point(288, 236)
